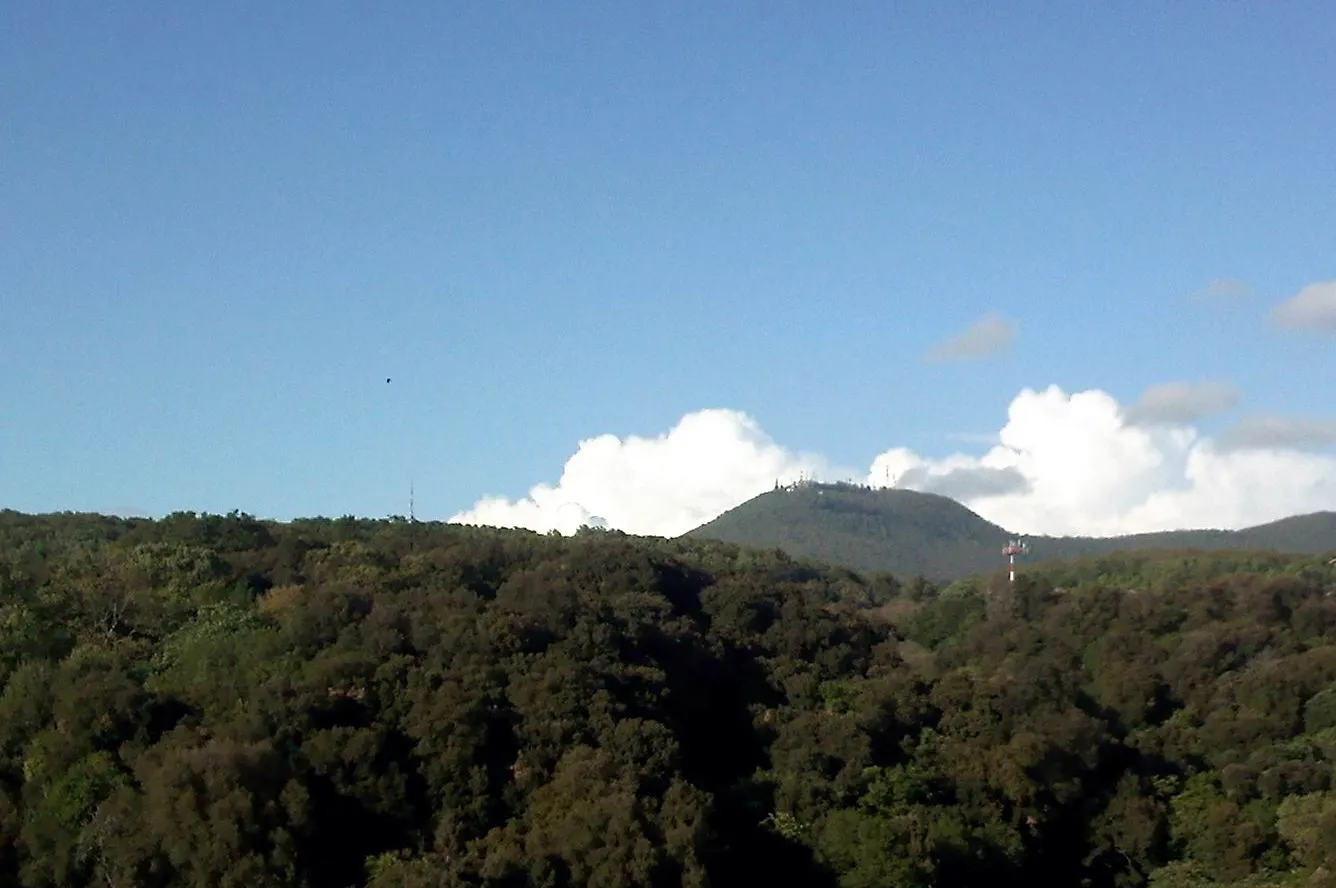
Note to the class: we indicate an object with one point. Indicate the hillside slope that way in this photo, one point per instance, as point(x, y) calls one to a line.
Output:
point(215, 700)
point(901, 531)
point(906, 532)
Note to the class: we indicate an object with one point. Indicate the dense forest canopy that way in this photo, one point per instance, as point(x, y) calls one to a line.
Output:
point(214, 700)
point(908, 532)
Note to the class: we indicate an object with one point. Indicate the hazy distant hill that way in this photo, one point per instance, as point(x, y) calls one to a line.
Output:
point(906, 532)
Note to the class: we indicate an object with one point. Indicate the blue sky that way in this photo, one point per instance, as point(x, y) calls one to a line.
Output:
point(223, 226)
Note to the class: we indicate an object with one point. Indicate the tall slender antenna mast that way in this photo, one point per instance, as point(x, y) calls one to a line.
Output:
point(411, 516)
point(1011, 550)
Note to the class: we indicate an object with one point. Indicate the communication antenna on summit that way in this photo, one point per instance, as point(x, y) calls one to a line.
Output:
point(1011, 550)
point(411, 517)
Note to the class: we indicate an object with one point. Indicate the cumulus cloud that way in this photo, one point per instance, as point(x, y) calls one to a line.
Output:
point(965, 482)
point(1269, 431)
point(1062, 464)
point(990, 335)
point(1312, 308)
point(708, 463)
point(1090, 472)
point(1180, 403)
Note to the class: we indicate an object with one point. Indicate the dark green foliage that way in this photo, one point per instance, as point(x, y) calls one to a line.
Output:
point(218, 701)
point(946, 617)
point(907, 533)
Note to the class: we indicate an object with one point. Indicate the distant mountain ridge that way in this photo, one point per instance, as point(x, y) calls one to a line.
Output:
point(905, 532)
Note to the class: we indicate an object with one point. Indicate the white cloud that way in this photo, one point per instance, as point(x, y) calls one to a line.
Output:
point(1063, 464)
point(1269, 431)
point(990, 335)
point(965, 482)
point(1312, 308)
point(1179, 403)
point(711, 461)
point(1091, 473)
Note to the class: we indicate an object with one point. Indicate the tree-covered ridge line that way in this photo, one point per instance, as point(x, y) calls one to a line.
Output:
point(907, 532)
point(215, 700)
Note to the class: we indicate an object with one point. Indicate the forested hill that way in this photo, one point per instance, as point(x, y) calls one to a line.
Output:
point(906, 532)
point(217, 701)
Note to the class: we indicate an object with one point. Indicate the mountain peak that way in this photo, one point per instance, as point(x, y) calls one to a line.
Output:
point(906, 532)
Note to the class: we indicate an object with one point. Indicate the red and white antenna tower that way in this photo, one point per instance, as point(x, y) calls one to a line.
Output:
point(1011, 550)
